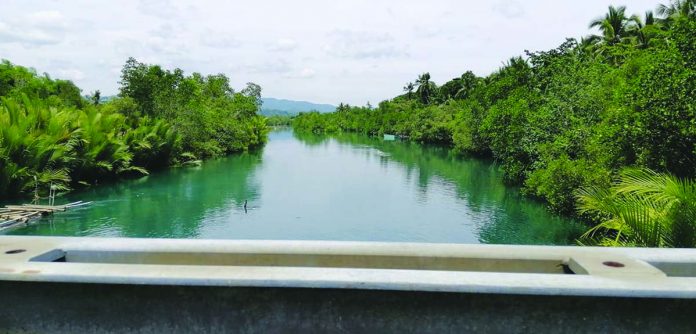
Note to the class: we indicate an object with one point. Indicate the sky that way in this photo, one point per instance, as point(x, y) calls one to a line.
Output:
point(320, 51)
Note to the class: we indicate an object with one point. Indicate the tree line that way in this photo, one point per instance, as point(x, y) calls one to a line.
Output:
point(51, 135)
point(567, 122)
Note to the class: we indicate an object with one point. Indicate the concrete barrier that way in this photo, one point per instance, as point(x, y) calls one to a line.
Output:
point(51, 284)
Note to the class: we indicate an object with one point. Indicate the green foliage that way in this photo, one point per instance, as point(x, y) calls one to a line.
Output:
point(426, 88)
point(643, 208)
point(205, 111)
point(279, 120)
point(50, 135)
point(558, 181)
point(563, 119)
point(18, 81)
point(663, 98)
point(431, 124)
point(65, 147)
point(614, 26)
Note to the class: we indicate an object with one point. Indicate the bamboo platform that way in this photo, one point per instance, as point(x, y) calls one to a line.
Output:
point(16, 215)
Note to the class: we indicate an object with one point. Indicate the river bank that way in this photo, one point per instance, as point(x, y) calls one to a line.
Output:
point(316, 187)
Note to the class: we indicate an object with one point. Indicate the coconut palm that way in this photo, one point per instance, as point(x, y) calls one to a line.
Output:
point(643, 31)
point(426, 88)
point(589, 43)
point(409, 89)
point(468, 81)
point(614, 25)
point(677, 9)
point(643, 208)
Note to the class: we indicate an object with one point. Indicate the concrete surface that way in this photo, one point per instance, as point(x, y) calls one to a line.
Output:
point(537, 270)
point(30, 307)
point(72, 285)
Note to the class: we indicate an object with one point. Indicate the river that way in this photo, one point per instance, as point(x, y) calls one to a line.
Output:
point(310, 187)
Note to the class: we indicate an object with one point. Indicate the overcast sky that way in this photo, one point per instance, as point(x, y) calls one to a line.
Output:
point(320, 51)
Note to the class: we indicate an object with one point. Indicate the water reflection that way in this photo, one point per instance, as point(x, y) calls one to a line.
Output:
point(309, 187)
point(501, 214)
point(168, 204)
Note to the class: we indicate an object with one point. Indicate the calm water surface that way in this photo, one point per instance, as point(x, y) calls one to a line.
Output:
point(346, 187)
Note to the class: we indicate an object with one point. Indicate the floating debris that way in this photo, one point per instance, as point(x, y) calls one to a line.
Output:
point(15, 215)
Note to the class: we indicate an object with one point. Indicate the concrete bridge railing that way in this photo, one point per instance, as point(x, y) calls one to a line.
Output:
point(361, 286)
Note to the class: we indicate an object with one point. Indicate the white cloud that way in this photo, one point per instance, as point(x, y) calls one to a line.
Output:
point(47, 19)
point(277, 66)
point(70, 74)
point(167, 30)
point(159, 8)
point(219, 40)
point(284, 44)
point(35, 29)
point(165, 46)
point(509, 8)
point(305, 73)
point(332, 49)
point(427, 31)
point(363, 44)
point(27, 37)
point(50, 19)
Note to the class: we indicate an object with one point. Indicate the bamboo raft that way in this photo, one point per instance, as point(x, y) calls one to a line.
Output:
point(15, 215)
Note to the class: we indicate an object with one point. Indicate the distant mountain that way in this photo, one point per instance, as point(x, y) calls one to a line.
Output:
point(271, 107)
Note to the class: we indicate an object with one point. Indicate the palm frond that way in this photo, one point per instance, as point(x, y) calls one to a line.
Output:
point(644, 208)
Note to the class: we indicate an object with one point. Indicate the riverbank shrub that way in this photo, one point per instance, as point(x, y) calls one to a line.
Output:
point(210, 116)
point(50, 135)
point(643, 208)
point(279, 120)
point(559, 120)
point(42, 146)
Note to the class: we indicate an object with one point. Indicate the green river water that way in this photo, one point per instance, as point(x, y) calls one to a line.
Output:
point(306, 187)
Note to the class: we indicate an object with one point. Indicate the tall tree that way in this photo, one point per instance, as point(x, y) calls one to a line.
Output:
point(426, 88)
point(137, 83)
point(409, 89)
point(96, 97)
point(644, 30)
point(614, 25)
point(469, 80)
point(254, 91)
point(676, 9)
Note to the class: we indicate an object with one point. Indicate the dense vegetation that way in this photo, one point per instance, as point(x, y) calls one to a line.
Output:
point(566, 119)
point(644, 209)
point(51, 135)
point(279, 120)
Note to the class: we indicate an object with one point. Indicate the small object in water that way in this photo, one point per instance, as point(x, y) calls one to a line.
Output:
point(245, 206)
point(15, 215)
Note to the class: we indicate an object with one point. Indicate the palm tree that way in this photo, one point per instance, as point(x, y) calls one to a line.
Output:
point(409, 89)
point(613, 25)
point(35, 146)
point(643, 208)
point(468, 81)
point(643, 31)
point(425, 87)
point(676, 9)
point(96, 97)
point(589, 43)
